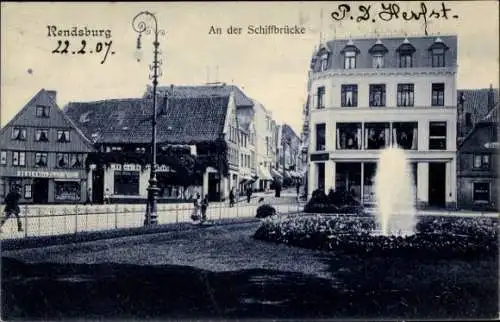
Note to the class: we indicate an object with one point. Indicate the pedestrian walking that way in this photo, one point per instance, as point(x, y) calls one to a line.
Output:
point(249, 194)
point(196, 210)
point(231, 198)
point(204, 206)
point(89, 197)
point(11, 203)
point(106, 196)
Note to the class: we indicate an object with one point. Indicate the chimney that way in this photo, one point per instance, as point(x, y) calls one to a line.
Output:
point(491, 98)
point(52, 95)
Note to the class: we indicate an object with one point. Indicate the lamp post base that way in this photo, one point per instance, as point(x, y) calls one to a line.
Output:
point(151, 217)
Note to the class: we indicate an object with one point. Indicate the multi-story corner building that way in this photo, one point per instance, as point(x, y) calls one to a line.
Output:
point(368, 94)
point(263, 146)
point(44, 153)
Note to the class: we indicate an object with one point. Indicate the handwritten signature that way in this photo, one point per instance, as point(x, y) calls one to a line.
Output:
point(392, 11)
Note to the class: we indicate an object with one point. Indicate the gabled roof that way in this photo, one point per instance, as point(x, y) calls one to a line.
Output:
point(476, 104)
point(181, 121)
point(204, 91)
point(489, 125)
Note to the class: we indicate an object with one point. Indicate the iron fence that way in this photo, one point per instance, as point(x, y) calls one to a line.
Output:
point(52, 220)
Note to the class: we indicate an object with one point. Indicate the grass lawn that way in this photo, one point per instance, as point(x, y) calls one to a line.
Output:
point(223, 272)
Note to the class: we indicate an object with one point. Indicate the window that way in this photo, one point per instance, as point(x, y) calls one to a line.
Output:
point(349, 136)
point(63, 136)
point(481, 192)
point(378, 60)
point(405, 95)
point(438, 57)
point(377, 135)
point(68, 191)
point(405, 135)
point(18, 134)
point(320, 166)
point(468, 119)
point(437, 136)
point(27, 191)
point(481, 161)
point(42, 111)
point(19, 158)
point(126, 183)
point(3, 157)
point(324, 62)
point(41, 159)
point(320, 97)
point(377, 95)
point(320, 137)
point(349, 95)
point(349, 60)
point(62, 160)
point(405, 60)
point(438, 94)
point(42, 135)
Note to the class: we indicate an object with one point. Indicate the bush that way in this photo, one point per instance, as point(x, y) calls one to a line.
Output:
point(435, 237)
point(265, 211)
point(338, 202)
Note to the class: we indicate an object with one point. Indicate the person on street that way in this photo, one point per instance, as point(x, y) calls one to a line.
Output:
point(11, 203)
point(106, 196)
point(231, 198)
point(204, 206)
point(196, 210)
point(89, 197)
point(249, 194)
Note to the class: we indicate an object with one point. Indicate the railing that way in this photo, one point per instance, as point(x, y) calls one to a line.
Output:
point(52, 220)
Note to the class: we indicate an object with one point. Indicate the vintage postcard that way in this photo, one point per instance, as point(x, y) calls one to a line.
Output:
point(249, 160)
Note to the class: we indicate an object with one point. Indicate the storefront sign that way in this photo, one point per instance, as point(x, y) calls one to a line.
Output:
point(126, 167)
point(491, 145)
point(48, 174)
point(320, 157)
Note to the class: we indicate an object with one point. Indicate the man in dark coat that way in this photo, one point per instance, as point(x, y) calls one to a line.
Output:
point(11, 203)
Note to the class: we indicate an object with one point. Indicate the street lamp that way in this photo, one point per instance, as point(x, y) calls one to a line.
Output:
point(139, 23)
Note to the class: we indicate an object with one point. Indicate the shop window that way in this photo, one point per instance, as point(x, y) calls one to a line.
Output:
point(405, 135)
point(27, 191)
point(437, 136)
point(349, 95)
point(18, 134)
point(481, 192)
point(67, 190)
point(320, 137)
point(42, 111)
point(42, 135)
point(405, 95)
point(18, 158)
point(126, 183)
point(3, 157)
point(63, 136)
point(377, 95)
point(349, 136)
point(377, 136)
point(41, 159)
point(481, 161)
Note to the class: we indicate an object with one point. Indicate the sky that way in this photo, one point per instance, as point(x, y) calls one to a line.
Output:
point(269, 68)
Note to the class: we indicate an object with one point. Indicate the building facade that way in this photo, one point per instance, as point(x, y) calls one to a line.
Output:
point(264, 151)
point(121, 131)
point(478, 156)
point(288, 155)
point(44, 153)
point(367, 94)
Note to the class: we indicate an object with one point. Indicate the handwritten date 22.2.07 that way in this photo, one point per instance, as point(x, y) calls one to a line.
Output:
point(65, 48)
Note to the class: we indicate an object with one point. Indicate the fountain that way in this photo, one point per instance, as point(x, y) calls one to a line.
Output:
point(395, 194)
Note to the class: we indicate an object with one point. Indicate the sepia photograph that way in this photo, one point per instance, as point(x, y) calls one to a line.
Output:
point(306, 160)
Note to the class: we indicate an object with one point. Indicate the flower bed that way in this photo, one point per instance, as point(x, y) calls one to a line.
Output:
point(435, 237)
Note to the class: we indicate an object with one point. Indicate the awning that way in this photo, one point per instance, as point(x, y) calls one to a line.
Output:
point(276, 174)
point(264, 173)
point(244, 179)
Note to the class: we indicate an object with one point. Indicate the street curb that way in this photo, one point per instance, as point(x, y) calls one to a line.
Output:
point(44, 241)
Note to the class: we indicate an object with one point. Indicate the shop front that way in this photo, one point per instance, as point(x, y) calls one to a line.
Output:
point(46, 187)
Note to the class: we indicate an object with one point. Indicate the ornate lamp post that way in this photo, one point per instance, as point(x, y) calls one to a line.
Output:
point(139, 23)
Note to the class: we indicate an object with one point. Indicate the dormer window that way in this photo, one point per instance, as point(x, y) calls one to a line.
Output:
point(350, 54)
point(18, 134)
point(406, 51)
point(378, 52)
point(42, 111)
point(324, 62)
point(437, 51)
point(42, 135)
